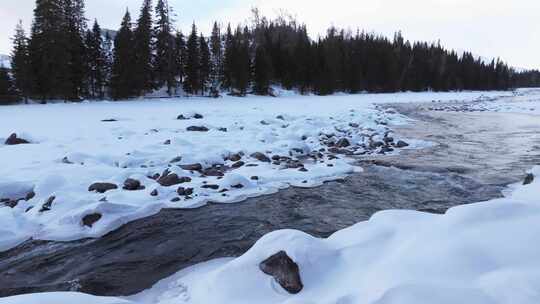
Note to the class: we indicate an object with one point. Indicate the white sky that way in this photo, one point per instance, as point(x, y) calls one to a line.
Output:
point(506, 28)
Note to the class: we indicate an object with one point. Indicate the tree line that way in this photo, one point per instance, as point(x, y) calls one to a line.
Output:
point(63, 59)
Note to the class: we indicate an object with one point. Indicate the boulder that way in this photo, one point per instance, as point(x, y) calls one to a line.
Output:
point(401, 144)
point(235, 157)
point(184, 191)
point(198, 116)
point(210, 186)
point(132, 185)
point(343, 143)
point(48, 204)
point(528, 179)
point(172, 179)
point(102, 187)
point(284, 270)
point(197, 129)
point(14, 140)
point(238, 164)
point(260, 157)
point(90, 219)
point(192, 167)
point(154, 193)
point(213, 172)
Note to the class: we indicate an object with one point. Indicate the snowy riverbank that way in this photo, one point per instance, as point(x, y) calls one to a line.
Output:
point(480, 253)
point(76, 145)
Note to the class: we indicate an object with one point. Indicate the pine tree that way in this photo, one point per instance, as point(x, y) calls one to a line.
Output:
point(262, 72)
point(216, 49)
point(20, 62)
point(180, 54)
point(49, 55)
point(108, 60)
point(96, 60)
point(75, 30)
point(122, 77)
point(164, 48)
point(229, 59)
point(7, 94)
point(192, 81)
point(204, 67)
point(143, 35)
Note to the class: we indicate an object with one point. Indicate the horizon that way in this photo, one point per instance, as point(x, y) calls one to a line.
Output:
point(428, 26)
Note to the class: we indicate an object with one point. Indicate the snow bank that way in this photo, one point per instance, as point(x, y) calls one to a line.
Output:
point(76, 145)
point(484, 253)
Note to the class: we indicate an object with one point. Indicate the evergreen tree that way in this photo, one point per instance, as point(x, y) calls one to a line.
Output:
point(75, 30)
point(262, 72)
point(229, 59)
point(108, 59)
point(164, 48)
point(7, 94)
point(192, 81)
point(216, 71)
point(204, 67)
point(20, 62)
point(49, 56)
point(180, 57)
point(96, 60)
point(122, 77)
point(142, 44)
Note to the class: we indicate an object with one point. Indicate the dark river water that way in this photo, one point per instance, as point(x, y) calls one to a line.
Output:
point(474, 157)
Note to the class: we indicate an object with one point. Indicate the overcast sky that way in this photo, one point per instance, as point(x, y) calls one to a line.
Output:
point(506, 28)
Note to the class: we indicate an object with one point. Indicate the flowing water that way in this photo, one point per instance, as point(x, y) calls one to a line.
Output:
point(474, 157)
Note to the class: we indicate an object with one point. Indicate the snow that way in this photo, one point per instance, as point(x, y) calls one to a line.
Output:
point(483, 253)
point(72, 148)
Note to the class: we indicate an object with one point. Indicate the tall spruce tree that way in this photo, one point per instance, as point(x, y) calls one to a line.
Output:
point(142, 44)
point(75, 30)
point(49, 55)
point(108, 53)
point(192, 81)
point(123, 71)
point(164, 48)
point(20, 63)
point(96, 60)
point(180, 54)
point(216, 61)
point(7, 93)
point(262, 72)
point(229, 59)
point(204, 66)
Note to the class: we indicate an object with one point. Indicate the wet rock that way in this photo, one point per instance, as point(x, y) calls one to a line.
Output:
point(102, 187)
point(343, 143)
point(238, 164)
point(237, 186)
point(303, 169)
point(375, 144)
point(256, 178)
point(235, 157)
point(48, 204)
point(66, 160)
point(184, 191)
point(14, 140)
point(132, 185)
point(264, 123)
point(198, 116)
point(167, 142)
point(222, 129)
point(176, 199)
point(109, 120)
point(197, 129)
point(210, 186)
point(284, 270)
point(176, 160)
point(401, 144)
point(213, 172)
point(30, 195)
point(172, 179)
point(192, 167)
point(181, 117)
point(154, 193)
point(528, 179)
point(276, 157)
point(90, 219)
point(280, 117)
point(260, 157)
point(354, 125)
